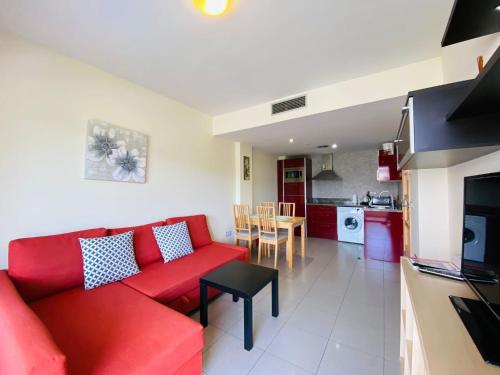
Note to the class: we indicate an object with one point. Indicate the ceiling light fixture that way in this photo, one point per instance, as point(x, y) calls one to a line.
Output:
point(212, 7)
point(334, 145)
point(290, 140)
point(498, 8)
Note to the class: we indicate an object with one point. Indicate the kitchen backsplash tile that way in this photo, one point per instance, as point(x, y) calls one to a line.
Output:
point(358, 173)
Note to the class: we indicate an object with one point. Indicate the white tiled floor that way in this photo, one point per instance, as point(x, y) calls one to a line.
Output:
point(338, 315)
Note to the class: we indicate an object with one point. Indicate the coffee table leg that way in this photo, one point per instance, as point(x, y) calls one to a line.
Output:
point(248, 321)
point(203, 305)
point(235, 298)
point(275, 298)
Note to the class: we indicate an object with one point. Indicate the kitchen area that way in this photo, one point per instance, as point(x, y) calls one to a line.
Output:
point(351, 196)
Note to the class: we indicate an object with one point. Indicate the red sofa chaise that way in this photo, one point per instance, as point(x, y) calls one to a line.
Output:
point(50, 325)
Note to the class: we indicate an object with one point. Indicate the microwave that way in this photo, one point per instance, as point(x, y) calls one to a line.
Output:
point(295, 174)
point(405, 141)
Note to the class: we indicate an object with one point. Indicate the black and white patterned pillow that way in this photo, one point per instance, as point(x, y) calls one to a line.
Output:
point(173, 240)
point(108, 259)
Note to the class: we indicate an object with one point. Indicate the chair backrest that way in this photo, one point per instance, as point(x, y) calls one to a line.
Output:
point(267, 204)
point(241, 216)
point(286, 209)
point(267, 220)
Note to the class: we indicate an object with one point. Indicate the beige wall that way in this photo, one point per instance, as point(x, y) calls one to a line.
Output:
point(382, 85)
point(486, 164)
point(265, 178)
point(431, 205)
point(438, 202)
point(45, 102)
point(243, 188)
point(459, 60)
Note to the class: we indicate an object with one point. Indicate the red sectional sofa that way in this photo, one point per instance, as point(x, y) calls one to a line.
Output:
point(50, 325)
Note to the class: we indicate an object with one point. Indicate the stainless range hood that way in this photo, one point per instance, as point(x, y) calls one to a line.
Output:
point(327, 173)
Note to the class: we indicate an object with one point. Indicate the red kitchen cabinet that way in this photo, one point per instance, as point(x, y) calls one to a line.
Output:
point(280, 180)
point(383, 235)
point(322, 221)
point(387, 168)
point(294, 188)
point(293, 163)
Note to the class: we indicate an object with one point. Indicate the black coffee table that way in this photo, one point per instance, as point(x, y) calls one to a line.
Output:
point(241, 280)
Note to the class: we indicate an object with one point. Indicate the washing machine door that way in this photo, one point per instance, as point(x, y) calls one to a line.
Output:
point(474, 238)
point(353, 223)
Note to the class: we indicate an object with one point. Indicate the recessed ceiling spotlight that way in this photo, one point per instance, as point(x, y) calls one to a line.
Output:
point(498, 8)
point(212, 7)
point(290, 140)
point(334, 145)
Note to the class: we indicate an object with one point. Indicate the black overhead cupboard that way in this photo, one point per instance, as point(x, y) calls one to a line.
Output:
point(449, 124)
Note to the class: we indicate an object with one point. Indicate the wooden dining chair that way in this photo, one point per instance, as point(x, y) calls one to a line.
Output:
point(269, 234)
point(286, 209)
point(267, 204)
point(243, 229)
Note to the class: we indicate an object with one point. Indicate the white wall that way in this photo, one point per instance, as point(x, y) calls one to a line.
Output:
point(45, 102)
point(265, 177)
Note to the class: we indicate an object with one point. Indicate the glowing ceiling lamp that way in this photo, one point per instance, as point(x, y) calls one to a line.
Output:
point(212, 7)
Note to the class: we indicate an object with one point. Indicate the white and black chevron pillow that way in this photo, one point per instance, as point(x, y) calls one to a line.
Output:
point(173, 240)
point(108, 259)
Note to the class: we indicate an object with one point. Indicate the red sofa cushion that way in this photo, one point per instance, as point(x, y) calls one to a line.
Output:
point(167, 281)
point(42, 266)
point(198, 229)
point(26, 346)
point(145, 246)
point(116, 330)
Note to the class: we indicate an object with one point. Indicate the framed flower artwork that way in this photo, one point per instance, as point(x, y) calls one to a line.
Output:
point(115, 154)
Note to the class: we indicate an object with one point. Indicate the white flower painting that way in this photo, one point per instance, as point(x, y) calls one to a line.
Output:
point(115, 154)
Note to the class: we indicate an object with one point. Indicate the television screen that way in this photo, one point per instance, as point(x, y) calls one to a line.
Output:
point(481, 238)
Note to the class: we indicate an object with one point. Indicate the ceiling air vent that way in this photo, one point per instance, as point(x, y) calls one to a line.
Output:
point(288, 105)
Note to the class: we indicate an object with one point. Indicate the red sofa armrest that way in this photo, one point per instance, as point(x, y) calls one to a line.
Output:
point(243, 250)
point(26, 346)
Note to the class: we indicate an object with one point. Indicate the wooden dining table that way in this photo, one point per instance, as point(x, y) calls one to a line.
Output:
point(289, 223)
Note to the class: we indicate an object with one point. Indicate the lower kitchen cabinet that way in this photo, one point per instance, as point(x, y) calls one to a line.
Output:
point(322, 221)
point(383, 235)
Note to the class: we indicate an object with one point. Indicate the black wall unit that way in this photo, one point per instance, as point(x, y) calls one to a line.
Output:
point(471, 19)
point(483, 94)
point(434, 132)
point(439, 142)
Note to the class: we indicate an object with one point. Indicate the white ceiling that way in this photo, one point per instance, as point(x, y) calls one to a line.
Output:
point(354, 128)
point(261, 51)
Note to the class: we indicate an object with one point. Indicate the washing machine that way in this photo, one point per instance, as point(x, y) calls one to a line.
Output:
point(350, 224)
point(474, 238)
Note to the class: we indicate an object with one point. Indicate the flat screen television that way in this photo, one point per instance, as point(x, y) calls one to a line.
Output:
point(481, 263)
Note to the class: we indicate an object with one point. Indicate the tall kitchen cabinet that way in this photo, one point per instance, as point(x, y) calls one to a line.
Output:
point(295, 183)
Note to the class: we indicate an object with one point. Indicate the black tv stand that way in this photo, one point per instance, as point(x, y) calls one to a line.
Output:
point(482, 325)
